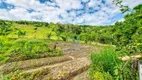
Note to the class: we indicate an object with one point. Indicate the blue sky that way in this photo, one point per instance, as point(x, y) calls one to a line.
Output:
point(89, 12)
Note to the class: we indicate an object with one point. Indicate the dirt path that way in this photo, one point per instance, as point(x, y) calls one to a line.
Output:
point(33, 63)
point(81, 76)
point(72, 66)
point(47, 66)
point(62, 71)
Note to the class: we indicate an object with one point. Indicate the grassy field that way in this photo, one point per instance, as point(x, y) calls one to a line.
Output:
point(40, 33)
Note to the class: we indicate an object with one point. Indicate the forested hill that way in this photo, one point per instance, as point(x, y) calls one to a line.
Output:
point(127, 35)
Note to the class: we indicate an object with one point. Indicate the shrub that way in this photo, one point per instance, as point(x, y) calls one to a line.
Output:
point(55, 52)
point(3, 48)
point(102, 76)
point(106, 64)
point(17, 46)
point(104, 61)
point(35, 46)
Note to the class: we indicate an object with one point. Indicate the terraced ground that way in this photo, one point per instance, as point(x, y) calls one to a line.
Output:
point(73, 65)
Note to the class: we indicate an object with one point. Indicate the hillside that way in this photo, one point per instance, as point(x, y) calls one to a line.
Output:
point(39, 50)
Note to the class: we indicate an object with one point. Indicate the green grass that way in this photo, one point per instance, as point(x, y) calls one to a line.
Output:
point(106, 65)
point(23, 49)
point(104, 62)
point(40, 33)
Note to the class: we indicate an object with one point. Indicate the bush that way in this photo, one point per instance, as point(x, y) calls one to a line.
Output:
point(4, 46)
point(17, 46)
point(102, 76)
point(55, 52)
point(104, 61)
point(107, 66)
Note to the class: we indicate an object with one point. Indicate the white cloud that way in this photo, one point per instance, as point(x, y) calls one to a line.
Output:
point(132, 3)
point(50, 12)
point(69, 4)
point(85, 0)
point(4, 14)
point(92, 3)
point(26, 4)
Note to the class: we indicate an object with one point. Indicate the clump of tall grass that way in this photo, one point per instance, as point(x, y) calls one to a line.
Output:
point(104, 63)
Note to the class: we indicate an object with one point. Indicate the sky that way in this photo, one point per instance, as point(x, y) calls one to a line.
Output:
point(86, 12)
